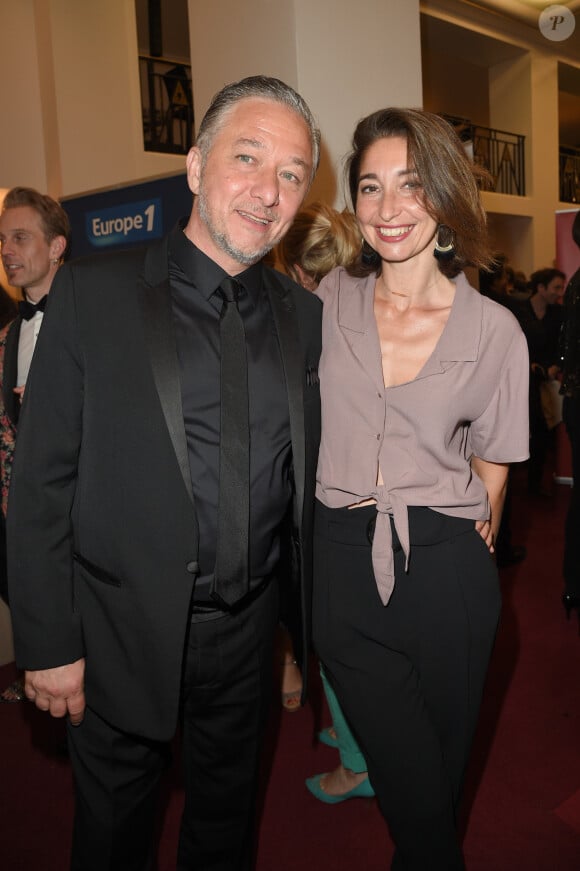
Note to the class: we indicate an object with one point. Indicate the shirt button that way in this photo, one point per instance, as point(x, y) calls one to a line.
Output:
point(378, 436)
point(192, 567)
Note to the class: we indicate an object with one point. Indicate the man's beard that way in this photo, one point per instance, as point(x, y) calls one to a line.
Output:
point(222, 240)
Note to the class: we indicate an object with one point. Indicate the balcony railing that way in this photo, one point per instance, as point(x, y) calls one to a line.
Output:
point(167, 104)
point(500, 152)
point(569, 174)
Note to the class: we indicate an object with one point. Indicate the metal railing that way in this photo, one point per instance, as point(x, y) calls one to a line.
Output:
point(167, 103)
point(499, 151)
point(569, 174)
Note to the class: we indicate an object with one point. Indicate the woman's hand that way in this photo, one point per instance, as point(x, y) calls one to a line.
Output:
point(484, 529)
point(494, 477)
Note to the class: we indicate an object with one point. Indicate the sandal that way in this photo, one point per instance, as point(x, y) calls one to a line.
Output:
point(291, 700)
point(14, 692)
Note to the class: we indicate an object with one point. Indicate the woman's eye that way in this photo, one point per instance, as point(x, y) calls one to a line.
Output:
point(369, 189)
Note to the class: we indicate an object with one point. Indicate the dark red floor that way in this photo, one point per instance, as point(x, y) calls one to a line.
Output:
point(524, 780)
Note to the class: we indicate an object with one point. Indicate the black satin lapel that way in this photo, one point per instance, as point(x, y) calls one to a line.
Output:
point(158, 324)
point(287, 328)
point(11, 401)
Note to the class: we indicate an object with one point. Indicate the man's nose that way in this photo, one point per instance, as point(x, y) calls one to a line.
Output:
point(266, 187)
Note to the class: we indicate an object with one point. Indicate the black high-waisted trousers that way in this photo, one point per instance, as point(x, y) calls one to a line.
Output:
point(409, 676)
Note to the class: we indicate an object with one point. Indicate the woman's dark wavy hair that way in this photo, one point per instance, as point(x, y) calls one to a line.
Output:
point(449, 180)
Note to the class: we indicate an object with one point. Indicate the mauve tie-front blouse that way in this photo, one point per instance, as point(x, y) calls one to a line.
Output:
point(469, 399)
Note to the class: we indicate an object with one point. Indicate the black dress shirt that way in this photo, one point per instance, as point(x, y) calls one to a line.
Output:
point(194, 279)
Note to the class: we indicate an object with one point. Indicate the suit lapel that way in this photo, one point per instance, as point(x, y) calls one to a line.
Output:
point(10, 375)
point(157, 315)
point(287, 328)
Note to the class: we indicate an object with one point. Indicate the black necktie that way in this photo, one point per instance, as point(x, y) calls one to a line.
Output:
point(231, 575)
point(27, 309)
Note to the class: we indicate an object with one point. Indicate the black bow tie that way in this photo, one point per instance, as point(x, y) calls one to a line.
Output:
point(27, 309)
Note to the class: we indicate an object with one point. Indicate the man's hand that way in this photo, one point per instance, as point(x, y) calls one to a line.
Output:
point(58, 690)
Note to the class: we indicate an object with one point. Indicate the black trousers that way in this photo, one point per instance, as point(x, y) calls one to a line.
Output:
point(571, 414)
point(3, 567)
point(410, 675)
point(226, 688)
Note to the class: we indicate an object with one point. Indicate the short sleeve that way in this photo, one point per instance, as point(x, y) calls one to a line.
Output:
point(501, 433)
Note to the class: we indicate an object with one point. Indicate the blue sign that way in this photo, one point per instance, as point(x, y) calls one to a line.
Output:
point(128, 216)
point(129, 222)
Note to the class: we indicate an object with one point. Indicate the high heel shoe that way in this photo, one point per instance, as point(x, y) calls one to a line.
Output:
point(363, 790)
point(326, 737)
point(291, 699)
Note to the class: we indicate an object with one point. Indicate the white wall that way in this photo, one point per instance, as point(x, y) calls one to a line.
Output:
point(354, 58)
point(346, 59)
point(231, 40)
point(74, 115)
point(72, 109)
point(22, 153)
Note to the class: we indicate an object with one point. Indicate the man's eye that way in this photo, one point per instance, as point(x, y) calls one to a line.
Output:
point(291, 176)
point(245, 158)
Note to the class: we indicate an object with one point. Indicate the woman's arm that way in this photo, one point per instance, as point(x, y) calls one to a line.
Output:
point(494, 477)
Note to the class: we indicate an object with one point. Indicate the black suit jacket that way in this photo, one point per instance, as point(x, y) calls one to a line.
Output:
point(102, 530)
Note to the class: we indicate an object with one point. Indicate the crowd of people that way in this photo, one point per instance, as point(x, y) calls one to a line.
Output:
point(210, 452)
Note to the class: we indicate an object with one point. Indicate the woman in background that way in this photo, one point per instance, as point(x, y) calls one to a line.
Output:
point(319, 240)
point(424, 405)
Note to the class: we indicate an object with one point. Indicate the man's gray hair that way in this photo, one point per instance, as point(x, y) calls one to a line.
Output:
point(261, 87)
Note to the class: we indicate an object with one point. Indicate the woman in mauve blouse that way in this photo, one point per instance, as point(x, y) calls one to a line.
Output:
point(424, 406)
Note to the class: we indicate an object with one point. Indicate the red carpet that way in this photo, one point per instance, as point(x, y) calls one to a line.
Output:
point(523, 791)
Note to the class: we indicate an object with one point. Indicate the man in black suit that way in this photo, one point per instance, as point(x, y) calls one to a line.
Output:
point(134, 594)
point(34, 237)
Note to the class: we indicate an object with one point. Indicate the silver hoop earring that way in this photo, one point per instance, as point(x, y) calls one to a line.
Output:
point(444, 243)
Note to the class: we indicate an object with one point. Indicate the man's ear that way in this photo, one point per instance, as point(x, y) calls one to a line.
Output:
point(193, 164)
point(57, 247)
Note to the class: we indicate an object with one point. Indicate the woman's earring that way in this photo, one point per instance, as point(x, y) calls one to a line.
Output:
point(444, 243)
point(369, 256)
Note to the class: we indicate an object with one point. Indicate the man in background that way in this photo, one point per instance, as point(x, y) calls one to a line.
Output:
point(540, 318)
point(34, 238)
